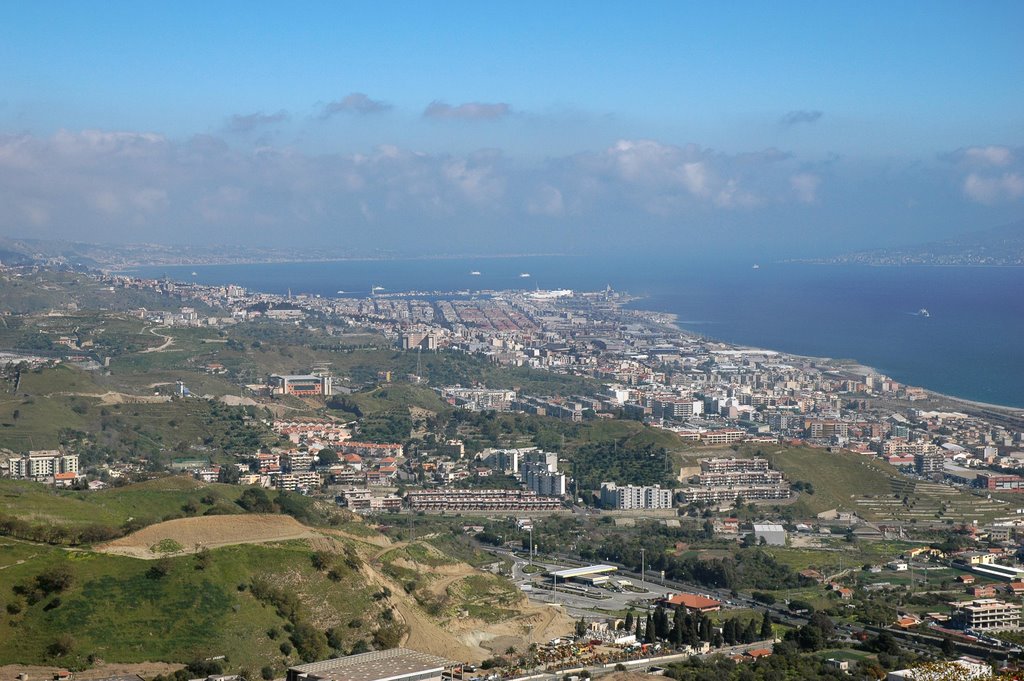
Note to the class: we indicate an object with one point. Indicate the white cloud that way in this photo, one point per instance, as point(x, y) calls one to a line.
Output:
point(990, 155)
point(547, 200)
point(805, 187)
point(249, 122)
point(468, 111)
point(994, 189)
point(355, 102)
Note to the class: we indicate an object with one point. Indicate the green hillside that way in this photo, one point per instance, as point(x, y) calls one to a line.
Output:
point(250, 603)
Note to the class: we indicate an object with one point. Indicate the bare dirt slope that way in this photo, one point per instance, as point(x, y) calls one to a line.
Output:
point(100, 671)
point(192, 534)
point(466, 638)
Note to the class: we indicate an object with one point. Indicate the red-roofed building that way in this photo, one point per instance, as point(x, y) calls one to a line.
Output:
point(693, 603)
point(907, 621)
point(758, 653)
point(1016, 587)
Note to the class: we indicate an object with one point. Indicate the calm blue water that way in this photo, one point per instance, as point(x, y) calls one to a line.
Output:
point(971, 346)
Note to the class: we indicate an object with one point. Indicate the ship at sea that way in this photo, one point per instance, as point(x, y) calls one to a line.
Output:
point(474, 273)
point(923, 313)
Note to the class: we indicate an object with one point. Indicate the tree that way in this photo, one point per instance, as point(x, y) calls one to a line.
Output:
point(328, 457)
point(649, 631)
point(54, 580)
point(766, 626)
point(61, 646)
point(729, 631)
point(581, 629)
point(255, 500)
point(750, 631)
point(160, 568)
point(661, 626)
point(628, 626)
point(310, 643)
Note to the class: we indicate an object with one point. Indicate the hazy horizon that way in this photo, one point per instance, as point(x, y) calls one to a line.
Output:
point(796, 130)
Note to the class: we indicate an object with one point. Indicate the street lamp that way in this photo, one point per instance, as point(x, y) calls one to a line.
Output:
point(531, 545)
point(642, 568)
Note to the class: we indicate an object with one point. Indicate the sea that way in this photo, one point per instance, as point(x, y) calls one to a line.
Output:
point(970, 344)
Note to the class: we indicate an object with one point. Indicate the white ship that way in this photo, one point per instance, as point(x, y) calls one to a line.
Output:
point(474, 273)
point(923, 313)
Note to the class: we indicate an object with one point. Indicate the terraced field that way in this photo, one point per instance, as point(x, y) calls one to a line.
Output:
point(917, 500)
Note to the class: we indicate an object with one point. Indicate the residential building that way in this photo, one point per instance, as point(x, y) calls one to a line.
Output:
point(986, 614)
point(449, 499)
point(42, 465)
point(927, 463)
point(633, 496)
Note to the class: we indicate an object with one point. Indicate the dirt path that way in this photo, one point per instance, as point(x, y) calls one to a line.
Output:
point(18, 562)
point(111, 397)
point(168, 342)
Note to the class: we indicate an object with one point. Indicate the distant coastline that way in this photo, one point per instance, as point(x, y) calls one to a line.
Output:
point(770, 307)
point(131, 267)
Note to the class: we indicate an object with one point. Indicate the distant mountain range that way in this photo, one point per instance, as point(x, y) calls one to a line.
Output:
point(78, 255)
point(999, 246)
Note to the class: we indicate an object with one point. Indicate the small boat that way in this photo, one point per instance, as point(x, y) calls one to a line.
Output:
point(524, 275)
point(923, 313)
point(378, 288)
point(474, 273)
point(340, 291)
point(756, 267)
point(195, 274)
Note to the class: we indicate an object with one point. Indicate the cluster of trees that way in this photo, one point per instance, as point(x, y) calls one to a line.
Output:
point(754, 569)
point(392, 426)
point(620, 460)
point(781, 665)
point(194, 669)
point(49, 582)
point(48, 533)
point(803, 486)
point(336, 565)
point(308, 642)
point(685, 628)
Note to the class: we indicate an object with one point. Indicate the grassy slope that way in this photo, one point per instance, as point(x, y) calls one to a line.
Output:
point(838, 477)
point(397, 396)
point(117, 611)
point(145, 502)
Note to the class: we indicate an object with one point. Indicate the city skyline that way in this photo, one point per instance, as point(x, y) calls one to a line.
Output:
point(798, 129)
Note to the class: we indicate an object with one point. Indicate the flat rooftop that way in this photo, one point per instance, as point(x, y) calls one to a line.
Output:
point(583, 571)
point(379, 665)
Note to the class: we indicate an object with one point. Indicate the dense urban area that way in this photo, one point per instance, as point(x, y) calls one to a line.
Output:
point(209, 482)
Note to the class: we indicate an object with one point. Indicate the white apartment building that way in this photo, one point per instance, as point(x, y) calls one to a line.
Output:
point(41, 465)
point(634, 496)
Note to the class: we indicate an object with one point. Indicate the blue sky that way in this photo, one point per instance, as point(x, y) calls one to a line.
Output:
point(791, 126)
